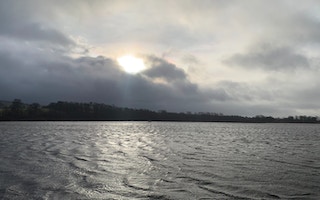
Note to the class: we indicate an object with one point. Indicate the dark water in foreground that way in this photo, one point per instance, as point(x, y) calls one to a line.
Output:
point(141, 160)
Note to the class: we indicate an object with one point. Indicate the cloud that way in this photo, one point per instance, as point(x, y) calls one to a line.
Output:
point(38, 32)
point(247, 92)
point(268, 57)
point(298, 28)
point(18, 22)
point(42, 77)
point(161, 68)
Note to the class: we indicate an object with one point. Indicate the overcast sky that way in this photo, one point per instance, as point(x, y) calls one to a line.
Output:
point(242, 57)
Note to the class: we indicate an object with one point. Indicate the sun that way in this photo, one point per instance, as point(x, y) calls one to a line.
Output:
point(131, 64)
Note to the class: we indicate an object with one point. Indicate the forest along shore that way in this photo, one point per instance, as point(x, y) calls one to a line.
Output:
point(75, 111)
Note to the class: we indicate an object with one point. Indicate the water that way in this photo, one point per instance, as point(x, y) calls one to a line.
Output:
point(159, 160)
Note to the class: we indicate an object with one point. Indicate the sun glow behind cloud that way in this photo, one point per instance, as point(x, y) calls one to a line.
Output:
point(131, 64)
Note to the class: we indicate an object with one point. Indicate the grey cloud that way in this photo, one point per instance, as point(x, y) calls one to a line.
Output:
point(272, 97)
point(300, 28)
point(38, 32)
point(303, 96)
point(268, 57)
point(219, 94)
point(96, 79)
point(45, 78)
point(246, 92)
point(160, 68)
point(190, 59)
point(19, 22)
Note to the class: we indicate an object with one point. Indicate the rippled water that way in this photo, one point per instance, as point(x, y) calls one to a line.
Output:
point(159, 160)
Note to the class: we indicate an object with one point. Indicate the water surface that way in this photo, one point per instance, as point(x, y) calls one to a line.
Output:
point(159, 160)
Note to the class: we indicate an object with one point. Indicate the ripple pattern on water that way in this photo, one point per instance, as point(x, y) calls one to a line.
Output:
point(159, 160)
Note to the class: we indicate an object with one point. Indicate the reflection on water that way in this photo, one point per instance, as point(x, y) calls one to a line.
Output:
point(141, 160)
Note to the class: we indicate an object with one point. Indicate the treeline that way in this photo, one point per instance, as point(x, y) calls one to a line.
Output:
point(65, 111)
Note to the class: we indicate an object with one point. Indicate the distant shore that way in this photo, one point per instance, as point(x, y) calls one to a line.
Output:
point(74, 111)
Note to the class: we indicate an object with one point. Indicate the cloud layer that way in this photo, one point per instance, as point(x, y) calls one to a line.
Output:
point(267, 57)
point(247, 58)
point(44, 78)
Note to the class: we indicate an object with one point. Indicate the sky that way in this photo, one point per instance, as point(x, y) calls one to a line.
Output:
point(236, 57)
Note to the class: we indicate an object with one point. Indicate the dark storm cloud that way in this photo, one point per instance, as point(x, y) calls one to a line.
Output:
point(268, 57)
point(161, 68)
point(51, 77)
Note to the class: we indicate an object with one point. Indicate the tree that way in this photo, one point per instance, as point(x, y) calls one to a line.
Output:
point(33, 110)
point(16, 108)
